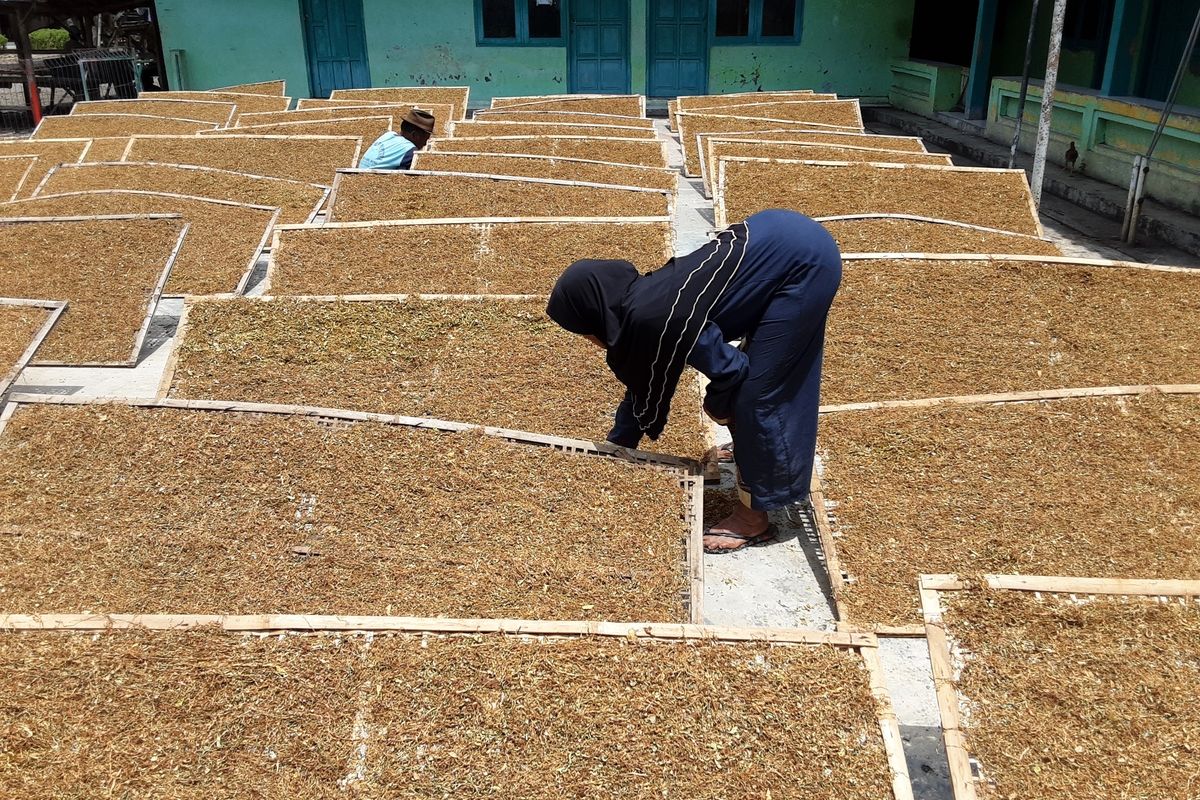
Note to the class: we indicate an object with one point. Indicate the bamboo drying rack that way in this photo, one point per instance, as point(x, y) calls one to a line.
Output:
point(481, 222)
point(55, 309)
point(686, 471)
point(719, 191)
point(249, 130)
point(603, 144)
point(470, 128)
point(537, 100)
point(839, 579)
point(709, 157)
point(963, 776)
point(113, 104)
point(258, 251)
point(282, 87)
point(358, 142)
point(24, 174)
point(412, 174)
point(498, 115)
point(460, 106)
point(325, 193)
point(197, 124)
point(705, 141)
point(694, 138)
point(665, 171)
point(865, 645)
point(155, 293)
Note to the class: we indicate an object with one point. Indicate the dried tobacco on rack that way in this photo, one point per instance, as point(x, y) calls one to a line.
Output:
point(106, 269)
point(362, 196)
point(1079, 698)
point(991, 198)
point(499, 362)
point(190, 715)
point(456, 258)
point(115, 509)
point(912, 329)
point(221, 242)
point(1103, 487)
point(297, 201)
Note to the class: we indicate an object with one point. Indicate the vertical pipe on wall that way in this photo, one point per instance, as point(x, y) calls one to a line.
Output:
point(1012, 153)
point(1141, 165)
point(1043, 136)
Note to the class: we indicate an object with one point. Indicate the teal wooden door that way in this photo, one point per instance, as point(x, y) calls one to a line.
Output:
point(336, 44)
point(599, 46)
point(678, 57)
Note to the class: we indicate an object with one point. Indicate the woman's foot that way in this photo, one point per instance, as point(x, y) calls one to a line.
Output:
point(745, 527)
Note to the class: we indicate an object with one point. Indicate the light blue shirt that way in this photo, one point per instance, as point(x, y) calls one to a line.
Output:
point(390, 151)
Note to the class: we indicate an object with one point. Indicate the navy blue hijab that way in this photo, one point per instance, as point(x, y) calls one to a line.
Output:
point(648, 323)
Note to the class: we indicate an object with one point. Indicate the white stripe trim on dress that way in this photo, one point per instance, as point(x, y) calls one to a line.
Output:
point(716, 272)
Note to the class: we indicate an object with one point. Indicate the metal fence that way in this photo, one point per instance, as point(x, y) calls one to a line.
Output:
point(64, 79)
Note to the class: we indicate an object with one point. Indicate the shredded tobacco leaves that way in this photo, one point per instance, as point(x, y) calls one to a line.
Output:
point(202, 714)
point(913, 236)
point(498, 362)
point(107, 271)
point(993, 199)
point(913, 329)
point(220, 244)
point(135, 510)
point(495, 258)
point(371, 195)
point(643, 152)
point(296, 200)
point(1105, 487)
point(306, 160)
point(1079, 698)
point(18, 326)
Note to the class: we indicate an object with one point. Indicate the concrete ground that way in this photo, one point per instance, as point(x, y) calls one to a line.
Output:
point(784, 584)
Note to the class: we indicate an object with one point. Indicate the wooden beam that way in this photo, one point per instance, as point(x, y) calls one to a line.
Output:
point(1108, 586)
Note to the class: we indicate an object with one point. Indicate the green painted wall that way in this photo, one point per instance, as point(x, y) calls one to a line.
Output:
point(846, 46)
point(437, 46)
point(234, 41)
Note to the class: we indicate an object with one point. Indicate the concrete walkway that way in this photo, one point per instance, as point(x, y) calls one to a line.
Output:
point(786, 584)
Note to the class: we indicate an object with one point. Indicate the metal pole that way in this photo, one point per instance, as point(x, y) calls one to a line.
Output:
point(1043, 135)
point(1012, 153)
point(1141, 165)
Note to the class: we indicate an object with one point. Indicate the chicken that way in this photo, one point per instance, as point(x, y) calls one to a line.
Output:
point(1072, 157)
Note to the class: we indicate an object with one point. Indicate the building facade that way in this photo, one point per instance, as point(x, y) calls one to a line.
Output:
point(1119, 58)
point(662, 48)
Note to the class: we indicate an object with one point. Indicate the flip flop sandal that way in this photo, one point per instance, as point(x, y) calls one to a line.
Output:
point(746, 541)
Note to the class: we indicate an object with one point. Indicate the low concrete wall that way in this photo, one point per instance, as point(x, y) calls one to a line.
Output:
point(926, 87)
point(1108, 132)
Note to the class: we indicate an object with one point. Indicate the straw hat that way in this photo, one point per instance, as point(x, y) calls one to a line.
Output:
point(420, 119)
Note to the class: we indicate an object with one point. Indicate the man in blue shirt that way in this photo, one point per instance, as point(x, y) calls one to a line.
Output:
point(395, 150)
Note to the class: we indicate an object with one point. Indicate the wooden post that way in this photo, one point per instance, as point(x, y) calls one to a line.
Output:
point(25, 56)
point(1043, 137)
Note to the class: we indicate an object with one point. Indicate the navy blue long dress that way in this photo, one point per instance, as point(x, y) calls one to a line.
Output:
point(768, 281)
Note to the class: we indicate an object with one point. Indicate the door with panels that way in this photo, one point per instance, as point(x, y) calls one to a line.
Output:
point(336, 44)
point(678, 48)
point(598, 49)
